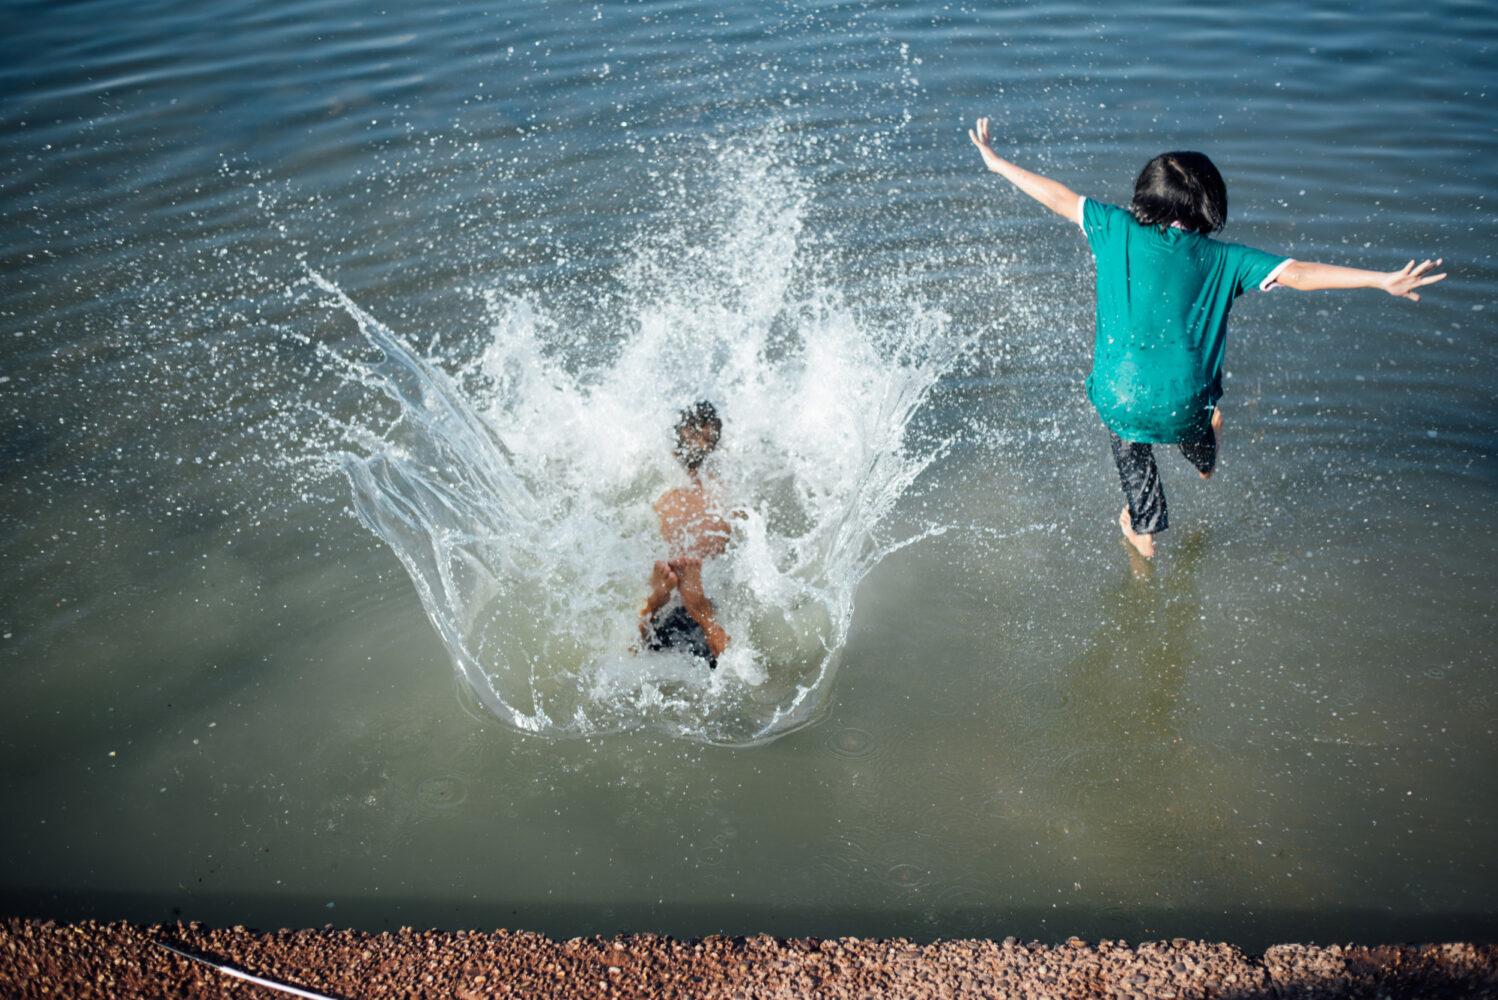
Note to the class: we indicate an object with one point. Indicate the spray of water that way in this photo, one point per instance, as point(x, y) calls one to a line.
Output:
point(517, 489)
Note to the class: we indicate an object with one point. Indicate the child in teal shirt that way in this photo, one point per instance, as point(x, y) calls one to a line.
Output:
point(1164, 289)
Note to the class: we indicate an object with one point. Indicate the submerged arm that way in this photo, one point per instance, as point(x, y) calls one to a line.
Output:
point(1310, 277)
point(1052, 194)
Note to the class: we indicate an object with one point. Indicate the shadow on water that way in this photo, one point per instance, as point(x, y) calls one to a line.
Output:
point(690, 920)
point(1126, 686)
point(1147, 632)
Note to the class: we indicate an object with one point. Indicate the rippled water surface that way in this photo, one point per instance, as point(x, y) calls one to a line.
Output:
point(339, 348)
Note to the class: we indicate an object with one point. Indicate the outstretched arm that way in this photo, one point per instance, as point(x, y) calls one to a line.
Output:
point(1310, 277)
point(1052, 194)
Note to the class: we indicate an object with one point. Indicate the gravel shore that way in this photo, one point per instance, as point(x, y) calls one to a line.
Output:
point(85, 960)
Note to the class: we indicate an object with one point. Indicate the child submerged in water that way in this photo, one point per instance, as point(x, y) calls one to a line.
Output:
point(1163, 294)
point(693, 528)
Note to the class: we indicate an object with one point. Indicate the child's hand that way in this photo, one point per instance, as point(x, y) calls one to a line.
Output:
point(1404, 281)
point(1052, 194)
point(980, 136)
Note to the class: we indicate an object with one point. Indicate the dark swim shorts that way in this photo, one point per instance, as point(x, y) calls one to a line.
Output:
point(676, 629)
point(1140, 477)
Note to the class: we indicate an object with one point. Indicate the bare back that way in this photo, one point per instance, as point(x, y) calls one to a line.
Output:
point(692, 522)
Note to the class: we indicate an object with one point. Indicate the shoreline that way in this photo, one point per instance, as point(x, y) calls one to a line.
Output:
point(41, 958)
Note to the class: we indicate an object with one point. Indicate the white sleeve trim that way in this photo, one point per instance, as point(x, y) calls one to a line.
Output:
point(1081, 203)
point(1273, 278)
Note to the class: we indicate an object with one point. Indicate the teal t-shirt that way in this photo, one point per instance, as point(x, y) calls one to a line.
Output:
point(1162, 309)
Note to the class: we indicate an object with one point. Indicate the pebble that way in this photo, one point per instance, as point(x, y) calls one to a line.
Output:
point(88, 959)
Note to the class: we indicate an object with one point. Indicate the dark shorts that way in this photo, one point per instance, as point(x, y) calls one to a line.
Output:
point(1140, 477)
point(674, 628)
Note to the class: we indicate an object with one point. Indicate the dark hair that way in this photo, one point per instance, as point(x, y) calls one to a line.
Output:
point(1180, 187)
point(700, 416)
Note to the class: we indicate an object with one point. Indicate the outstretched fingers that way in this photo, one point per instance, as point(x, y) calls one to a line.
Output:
point(1414, 276)
point(979, 135)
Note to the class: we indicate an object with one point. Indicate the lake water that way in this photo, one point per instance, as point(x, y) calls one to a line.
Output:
point(339, 348)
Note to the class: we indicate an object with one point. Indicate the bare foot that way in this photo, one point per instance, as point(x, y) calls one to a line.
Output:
point(689, 574)
point(1143, 544)
point(1217, 439)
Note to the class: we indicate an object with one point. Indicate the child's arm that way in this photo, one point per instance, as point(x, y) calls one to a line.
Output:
point(1309, 277)
point(1052, 194)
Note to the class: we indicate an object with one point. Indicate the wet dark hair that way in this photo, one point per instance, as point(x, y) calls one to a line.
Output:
point(700, 416)
point(1180, 187)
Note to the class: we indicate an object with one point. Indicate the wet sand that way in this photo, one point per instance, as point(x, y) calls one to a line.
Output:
point(84, 960)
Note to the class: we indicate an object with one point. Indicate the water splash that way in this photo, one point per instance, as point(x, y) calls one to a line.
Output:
point(517, 488)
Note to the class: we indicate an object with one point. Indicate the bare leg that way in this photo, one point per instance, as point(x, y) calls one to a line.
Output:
point(1217, 438)
point(1143, 544)
point(663, 580)
point(689, 574)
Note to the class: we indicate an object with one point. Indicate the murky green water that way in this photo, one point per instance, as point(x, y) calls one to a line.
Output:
point(223, 698)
